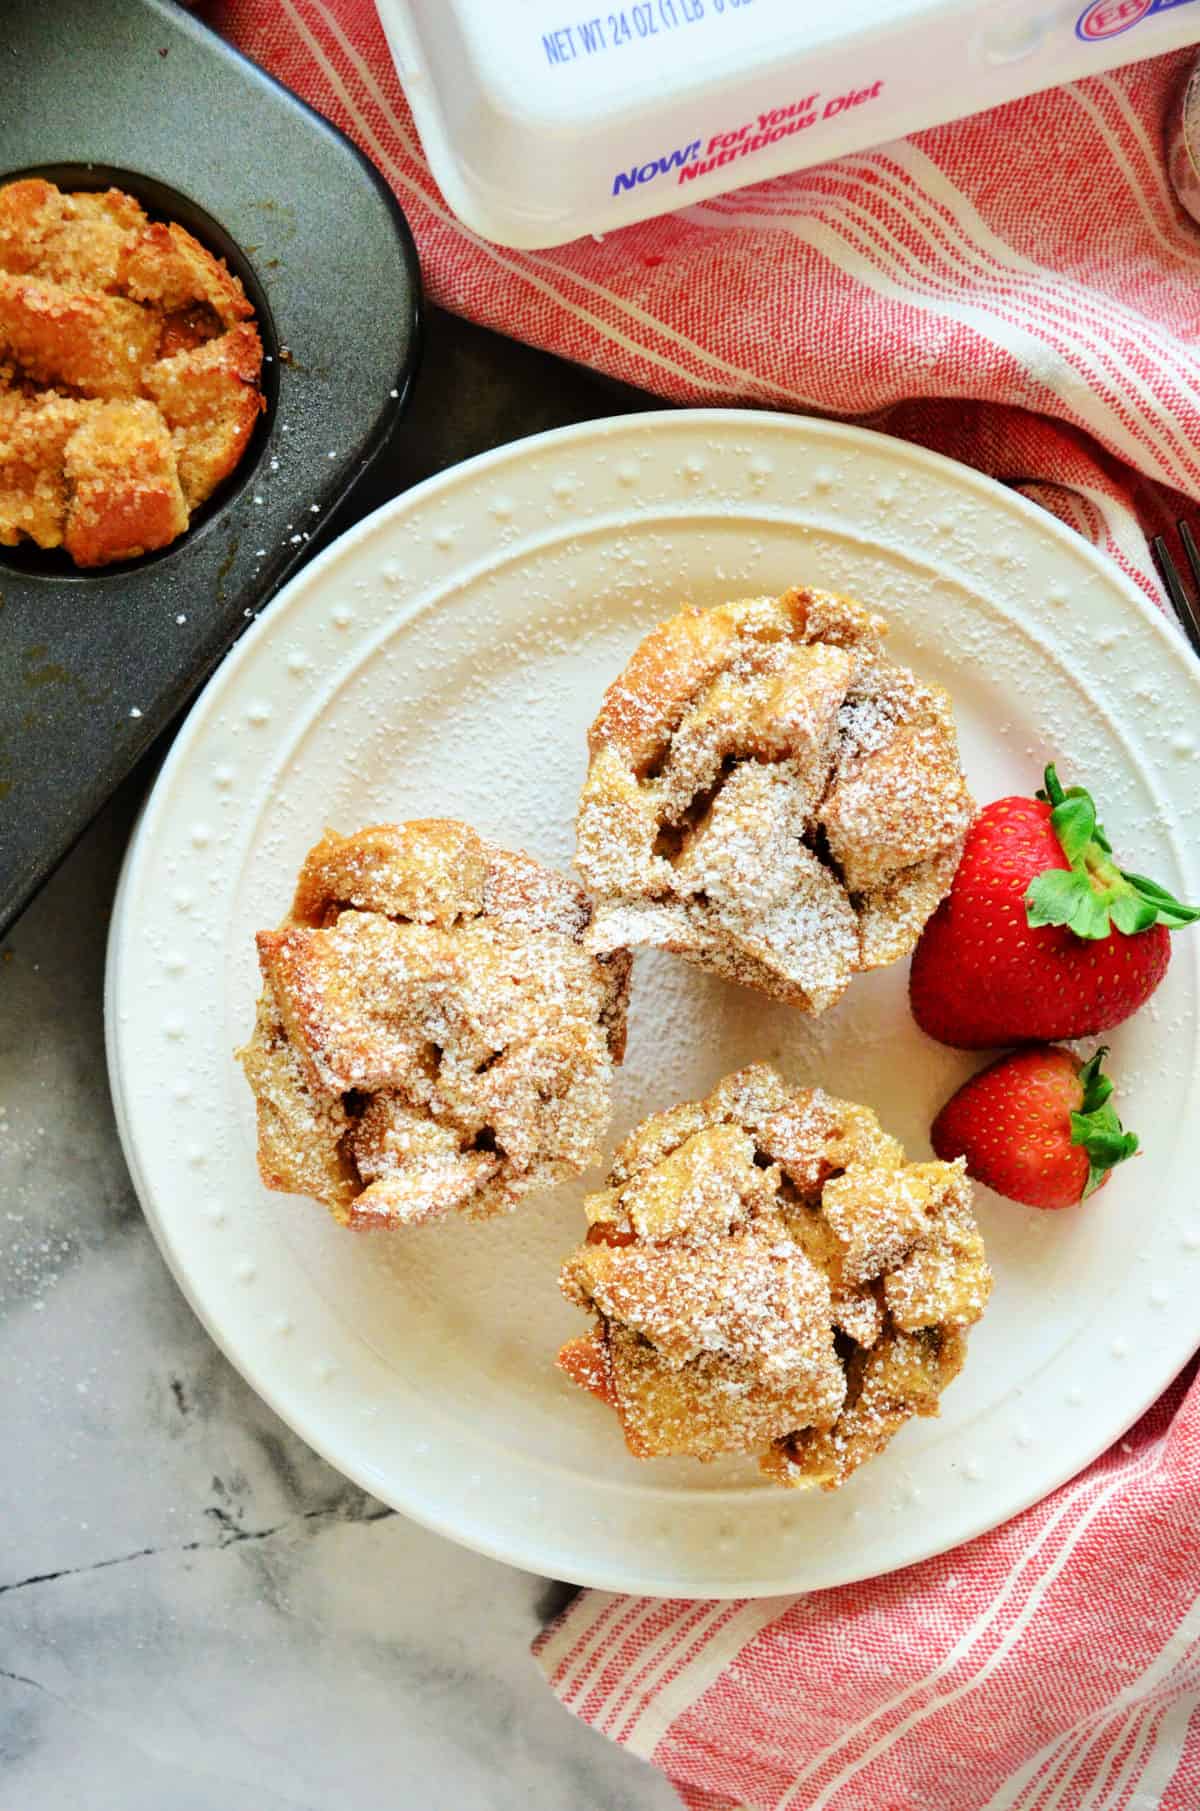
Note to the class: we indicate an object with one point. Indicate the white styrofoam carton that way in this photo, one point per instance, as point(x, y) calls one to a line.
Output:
point(547, 119)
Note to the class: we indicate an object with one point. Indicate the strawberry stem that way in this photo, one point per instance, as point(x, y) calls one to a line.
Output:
point(1096, 1126)
point(1092, 895)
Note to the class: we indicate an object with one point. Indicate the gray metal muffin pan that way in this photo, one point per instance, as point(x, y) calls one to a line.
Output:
point(137, 93)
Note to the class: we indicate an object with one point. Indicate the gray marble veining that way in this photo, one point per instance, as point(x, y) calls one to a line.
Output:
point(196, 1613)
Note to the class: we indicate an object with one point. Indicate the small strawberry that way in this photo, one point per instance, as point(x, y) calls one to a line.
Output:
point(1036, 1126)
point(1042, 936)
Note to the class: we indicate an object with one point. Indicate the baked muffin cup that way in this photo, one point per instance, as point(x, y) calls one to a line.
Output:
point(772, 796)
point(433, 1036)
point(769, 1275)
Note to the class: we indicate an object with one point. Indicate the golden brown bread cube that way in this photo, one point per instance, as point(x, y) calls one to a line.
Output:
point(76, 240)
point(209, 398)
point(163, 265)
point(901, 1375)
point(34, 435)
point(767, 1272)
point(122, 485)
point(75, 340)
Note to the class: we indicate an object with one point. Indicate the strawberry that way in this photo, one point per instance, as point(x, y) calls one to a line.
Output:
point(1042, 936)
point(1036, 1126)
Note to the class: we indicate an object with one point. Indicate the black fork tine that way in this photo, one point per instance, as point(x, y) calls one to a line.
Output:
point(1189, 621)
point(1193, 560)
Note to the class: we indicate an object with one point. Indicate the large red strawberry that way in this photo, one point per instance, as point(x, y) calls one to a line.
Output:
point(1042, 935)
point(1036, 1126)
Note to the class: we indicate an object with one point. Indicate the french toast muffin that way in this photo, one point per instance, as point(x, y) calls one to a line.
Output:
point(130, 368)
point(772, 796)
point(769, 1275)
point(432, 1036)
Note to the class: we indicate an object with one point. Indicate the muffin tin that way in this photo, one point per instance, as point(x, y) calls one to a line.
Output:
point(93, 665)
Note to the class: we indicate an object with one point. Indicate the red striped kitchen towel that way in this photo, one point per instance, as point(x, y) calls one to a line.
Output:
point(1052, 1665)
point(1019, 290)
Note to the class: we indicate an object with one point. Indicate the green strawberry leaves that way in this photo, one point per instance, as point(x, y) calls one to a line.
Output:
point(1093, 895)
point(1073, 818)
point(1066, 896)
point(1167, 909)
point(1096, 1126)
point(1131, 913)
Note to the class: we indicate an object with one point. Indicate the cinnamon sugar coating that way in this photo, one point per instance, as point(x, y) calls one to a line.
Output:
point(129, 373)
point(432, 1034)
point(771, 796)
point(768, 1272)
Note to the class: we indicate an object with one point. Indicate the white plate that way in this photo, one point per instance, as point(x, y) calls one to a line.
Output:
point(445, 657)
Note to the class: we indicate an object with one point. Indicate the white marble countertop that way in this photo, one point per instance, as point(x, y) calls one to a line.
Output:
point(195, 1611)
